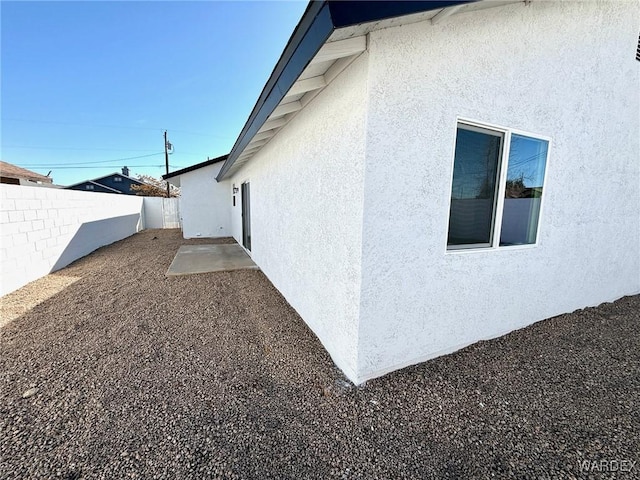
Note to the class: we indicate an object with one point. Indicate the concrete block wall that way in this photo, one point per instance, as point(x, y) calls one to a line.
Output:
point(45, 229)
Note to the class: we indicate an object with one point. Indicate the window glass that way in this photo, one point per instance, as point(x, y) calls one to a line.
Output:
point(474, 192)
point(495, 194)
point(523, 190)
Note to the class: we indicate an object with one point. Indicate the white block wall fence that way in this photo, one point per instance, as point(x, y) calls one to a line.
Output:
point(44, 229)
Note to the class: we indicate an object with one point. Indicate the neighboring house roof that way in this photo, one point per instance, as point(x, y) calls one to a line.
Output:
point(107, 176)
point(97, 187)
point(318, 50)
point(109, 186)
point(206, 163)
point(9, 171)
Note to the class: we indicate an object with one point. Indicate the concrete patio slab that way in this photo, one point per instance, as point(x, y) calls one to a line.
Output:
point(210, 258)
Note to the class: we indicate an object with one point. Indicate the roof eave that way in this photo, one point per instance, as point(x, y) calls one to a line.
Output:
point(314, 28)
point(317, 24)
point(197, 166)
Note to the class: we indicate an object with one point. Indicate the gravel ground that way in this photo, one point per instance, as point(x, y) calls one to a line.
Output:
point(135, 375)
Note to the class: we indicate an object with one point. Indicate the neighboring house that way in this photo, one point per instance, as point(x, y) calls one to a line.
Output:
point(14, 175)
point(418, 176)
point(204, 203)
point(112, 183)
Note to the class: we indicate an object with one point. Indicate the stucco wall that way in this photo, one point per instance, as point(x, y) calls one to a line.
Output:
point(306, 210)
point(45, 229)
point(205, 204)
point(565, 70)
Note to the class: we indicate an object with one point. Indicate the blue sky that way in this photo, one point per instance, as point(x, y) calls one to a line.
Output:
point(100, 81)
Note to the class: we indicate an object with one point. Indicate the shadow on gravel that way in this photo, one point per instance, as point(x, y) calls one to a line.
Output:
point(215, 376)
point(21, 301)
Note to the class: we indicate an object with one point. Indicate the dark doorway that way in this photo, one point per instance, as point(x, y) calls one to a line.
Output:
point(246, 216)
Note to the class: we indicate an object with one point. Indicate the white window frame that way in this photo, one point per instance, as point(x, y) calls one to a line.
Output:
point(502, 185)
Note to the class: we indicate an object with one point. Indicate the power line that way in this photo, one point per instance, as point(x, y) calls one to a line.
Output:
point(53, 122)
point(43, 165)
point(76, 148)
point(122, 127)
point(53, 167)
point(191, 154)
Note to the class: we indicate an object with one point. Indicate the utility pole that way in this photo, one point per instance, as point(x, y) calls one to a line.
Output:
point(166, 160)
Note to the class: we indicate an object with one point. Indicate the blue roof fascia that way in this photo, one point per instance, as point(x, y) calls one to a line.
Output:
point(314, 29)
point(318, 22)
point(197, 166)
point(351, 12)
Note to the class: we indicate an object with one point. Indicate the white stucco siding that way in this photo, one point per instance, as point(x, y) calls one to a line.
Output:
point(306, 212)
point(205, 204)
point(565, 70)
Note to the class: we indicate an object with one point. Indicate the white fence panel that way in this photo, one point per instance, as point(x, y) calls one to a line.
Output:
point(161, 212)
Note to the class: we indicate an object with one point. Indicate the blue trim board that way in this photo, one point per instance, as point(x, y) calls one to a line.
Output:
point(318, 22)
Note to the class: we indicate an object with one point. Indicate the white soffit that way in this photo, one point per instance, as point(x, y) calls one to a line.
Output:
point(331, 59)
point(436, 16)
point(341, 49)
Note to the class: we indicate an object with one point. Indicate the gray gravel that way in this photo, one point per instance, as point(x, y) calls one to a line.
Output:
point(129, 374)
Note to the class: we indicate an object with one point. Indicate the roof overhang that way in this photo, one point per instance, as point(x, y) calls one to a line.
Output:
point(174, 177)
point(330, 35)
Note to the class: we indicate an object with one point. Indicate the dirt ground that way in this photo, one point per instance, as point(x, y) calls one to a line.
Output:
point(109, 369)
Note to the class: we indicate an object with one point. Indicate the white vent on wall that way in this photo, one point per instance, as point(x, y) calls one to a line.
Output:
point(117, 179)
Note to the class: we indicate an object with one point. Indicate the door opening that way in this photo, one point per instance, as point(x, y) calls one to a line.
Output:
point(246, 216)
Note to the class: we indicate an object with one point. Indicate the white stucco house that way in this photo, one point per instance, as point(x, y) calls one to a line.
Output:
point(204, 202)
point(418, 176)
